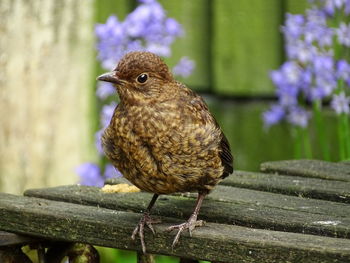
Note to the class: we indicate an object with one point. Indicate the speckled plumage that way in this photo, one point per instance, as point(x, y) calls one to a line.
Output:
point(162, 136)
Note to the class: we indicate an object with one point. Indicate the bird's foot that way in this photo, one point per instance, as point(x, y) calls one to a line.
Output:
point(139, 229)
point(190, 225)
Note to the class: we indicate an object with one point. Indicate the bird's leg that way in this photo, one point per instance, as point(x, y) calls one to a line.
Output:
point(192, 222)
point(145, 219)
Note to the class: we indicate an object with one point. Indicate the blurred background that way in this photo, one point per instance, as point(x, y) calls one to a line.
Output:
point(49, 111)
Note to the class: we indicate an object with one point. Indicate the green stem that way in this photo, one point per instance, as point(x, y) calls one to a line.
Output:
point(346, 135)
point(322, 140)
point(306, 143)
point(341, 135)
point(296, 134)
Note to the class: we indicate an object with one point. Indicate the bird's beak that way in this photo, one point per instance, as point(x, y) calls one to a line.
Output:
point(110, 77)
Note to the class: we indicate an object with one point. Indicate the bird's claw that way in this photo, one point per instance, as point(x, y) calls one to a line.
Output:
point(145, 219)
point(190, 225)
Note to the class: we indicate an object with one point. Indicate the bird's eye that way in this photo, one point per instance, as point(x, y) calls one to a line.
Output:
point(142, 78)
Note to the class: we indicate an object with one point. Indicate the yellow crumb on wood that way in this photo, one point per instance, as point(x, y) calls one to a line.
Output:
point(119, 188)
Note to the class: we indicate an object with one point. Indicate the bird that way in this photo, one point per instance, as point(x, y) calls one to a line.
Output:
point(162, 137)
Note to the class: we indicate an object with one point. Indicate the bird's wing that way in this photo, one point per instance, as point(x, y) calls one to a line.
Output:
point(200, 113)
point(226, 156)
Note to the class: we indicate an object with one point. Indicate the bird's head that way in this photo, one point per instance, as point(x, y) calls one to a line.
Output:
point(140, 77)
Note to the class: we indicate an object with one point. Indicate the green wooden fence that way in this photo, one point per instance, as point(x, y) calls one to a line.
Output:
point(235, 43)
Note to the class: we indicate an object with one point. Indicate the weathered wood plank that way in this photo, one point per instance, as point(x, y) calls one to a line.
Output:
point(9, 239)
point(195, 18)
point(243, 35)
point(44, 112)
point(292, 185)
point(227, 205)
point(105, 227)
point(309, 168)
point(296, 6)
point(224, 193)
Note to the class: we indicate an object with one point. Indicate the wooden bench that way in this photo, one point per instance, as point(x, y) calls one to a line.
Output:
point(292, 211)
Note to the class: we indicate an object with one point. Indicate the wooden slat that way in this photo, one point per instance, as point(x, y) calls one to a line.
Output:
point(309, 168)
point(296, 6)
point(194, 16)
point(105, 227)
point(292, 185)
point(8, 239)
point(104, 9)
point(247, 44)
point(227, 205)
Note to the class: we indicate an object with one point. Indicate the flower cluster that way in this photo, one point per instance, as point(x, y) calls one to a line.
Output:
point(146, 28)
point(91, 175)
point(315, 69)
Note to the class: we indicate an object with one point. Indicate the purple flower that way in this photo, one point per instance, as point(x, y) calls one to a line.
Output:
point(136, 22)
point(326, 84)
point(316, 29)
point(184, 68)
point(300, 50)
point(147, 1)
point(298, 116)
point(107, 113)
point(343, 70)
point(173, 27)
point(147, 21)
point(104, 90)
point(146, 28)
point(111, 171)
point(292, 72)
point(98, 142)
point(294, 26)
point(311, 71)
point(343, 33)
point(347, 7)
point(134, 45)
point(90, 174)
point(110, 41)
point(331, 6)
point(159, 49)
point(287, 95)
point(323, 64)
point(288, 74)
point(316, 17)
point(111, 29)
point(340, 103)
point(273, 116)
point(306, 77)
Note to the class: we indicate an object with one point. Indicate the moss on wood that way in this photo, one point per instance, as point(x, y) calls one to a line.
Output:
point(226, 205)
point(291, 185)
point(215, 242)
point(309, 168)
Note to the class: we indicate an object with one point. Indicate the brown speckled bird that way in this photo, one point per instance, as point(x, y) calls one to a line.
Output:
point(162, 137)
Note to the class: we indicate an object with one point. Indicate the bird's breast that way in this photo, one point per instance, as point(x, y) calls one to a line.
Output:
point(161, 151)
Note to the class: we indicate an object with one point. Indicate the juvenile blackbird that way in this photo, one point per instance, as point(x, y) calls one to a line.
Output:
point(162, 137)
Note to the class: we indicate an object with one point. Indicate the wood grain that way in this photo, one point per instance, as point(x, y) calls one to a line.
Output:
point(330, 190)
point(226, 205)
point(215, 242)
